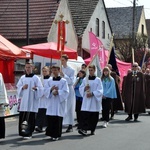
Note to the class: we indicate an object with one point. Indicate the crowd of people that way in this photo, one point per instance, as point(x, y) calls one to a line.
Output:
point(49, 102)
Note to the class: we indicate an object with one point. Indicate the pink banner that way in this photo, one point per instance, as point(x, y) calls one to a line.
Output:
point(102, 56)
point(96, 47)
point(94, 44)
point(122, 66)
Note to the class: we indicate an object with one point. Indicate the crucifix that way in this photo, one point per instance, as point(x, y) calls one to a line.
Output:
point(61, 35)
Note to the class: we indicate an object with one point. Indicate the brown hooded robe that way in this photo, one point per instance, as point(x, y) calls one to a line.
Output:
point(134, 93)
point(147, 91)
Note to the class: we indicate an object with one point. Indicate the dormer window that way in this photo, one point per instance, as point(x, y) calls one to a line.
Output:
point(142, 29)
point(97, 27)
point(103, 29)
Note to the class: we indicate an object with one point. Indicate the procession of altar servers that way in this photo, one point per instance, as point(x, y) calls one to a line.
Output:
point(55, 98)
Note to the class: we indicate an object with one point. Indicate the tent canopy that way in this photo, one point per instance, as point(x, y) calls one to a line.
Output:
point(50, 50)
point(10, 51)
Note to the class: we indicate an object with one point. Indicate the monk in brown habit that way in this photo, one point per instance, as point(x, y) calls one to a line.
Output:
point(147, 88)
point(134, 93)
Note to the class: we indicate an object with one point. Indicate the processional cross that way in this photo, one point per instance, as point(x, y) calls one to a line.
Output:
point(61, 33)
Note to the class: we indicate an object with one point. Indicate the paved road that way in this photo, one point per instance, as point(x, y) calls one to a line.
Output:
point(119, 135)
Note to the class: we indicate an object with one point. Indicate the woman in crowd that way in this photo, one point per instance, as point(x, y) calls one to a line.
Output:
point(79, 98)
point(109, 93)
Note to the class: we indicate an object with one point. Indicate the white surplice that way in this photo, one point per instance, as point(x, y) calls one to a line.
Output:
point(69, 75)
point(29, 97)
point(56, 104)
point(3, 96)
point(92, 104)
point(43, 100)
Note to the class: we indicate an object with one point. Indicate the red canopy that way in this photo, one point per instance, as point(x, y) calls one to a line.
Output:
point(10, 51)
point(50, 50)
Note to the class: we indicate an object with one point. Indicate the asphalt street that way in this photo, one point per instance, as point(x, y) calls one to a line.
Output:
point(119, 135)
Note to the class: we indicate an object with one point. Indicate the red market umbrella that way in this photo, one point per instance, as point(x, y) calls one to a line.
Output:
point(50, 50)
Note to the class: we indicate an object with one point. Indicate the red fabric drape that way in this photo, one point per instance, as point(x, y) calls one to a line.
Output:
point(7, 70)
point(61, 35)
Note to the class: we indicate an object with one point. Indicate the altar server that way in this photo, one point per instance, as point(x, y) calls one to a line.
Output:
point(30, 89)
point(69, 74)
point(57, 91)
point(41, 119)
point(91, 90)
point(3, 102)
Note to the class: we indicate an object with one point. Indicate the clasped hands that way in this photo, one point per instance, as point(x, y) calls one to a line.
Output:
point(26, 86)
point(87, 89)
point(54, 90)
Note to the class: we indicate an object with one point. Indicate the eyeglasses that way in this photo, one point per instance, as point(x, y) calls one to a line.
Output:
point(134, 66)
point(91, 70)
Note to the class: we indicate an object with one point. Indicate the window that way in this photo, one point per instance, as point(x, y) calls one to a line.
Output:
point(142, 30)
point(103, 29)
point(108, 36)
point(97, 27)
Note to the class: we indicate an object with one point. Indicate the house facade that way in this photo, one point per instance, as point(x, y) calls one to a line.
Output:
point(83, 16)
point(128, 31)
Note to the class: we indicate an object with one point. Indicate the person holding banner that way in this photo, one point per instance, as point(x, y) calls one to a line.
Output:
point(134, 93)
point(91, 90)
point(3, 102)
point(108, 95)
point(69, 74)
point(30, 89)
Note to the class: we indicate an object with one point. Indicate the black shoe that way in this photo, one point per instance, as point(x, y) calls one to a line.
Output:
point(92, 133)
point(76, 125)
point(135, 119)
point(83, 132)
point(38, 129)
point(111, 118)
point(128, 119)
point(69, 129)
point(101, 119)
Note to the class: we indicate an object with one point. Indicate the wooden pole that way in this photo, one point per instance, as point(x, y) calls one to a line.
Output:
point(133, 58)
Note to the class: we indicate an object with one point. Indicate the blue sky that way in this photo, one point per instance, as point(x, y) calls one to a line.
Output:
point(126, 3)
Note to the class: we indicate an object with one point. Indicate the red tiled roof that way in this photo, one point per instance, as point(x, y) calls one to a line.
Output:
point(13, 18)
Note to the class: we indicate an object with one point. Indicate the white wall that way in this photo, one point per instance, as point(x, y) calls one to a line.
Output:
point(142, 22)
point(101, 14)
point(70, 32)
